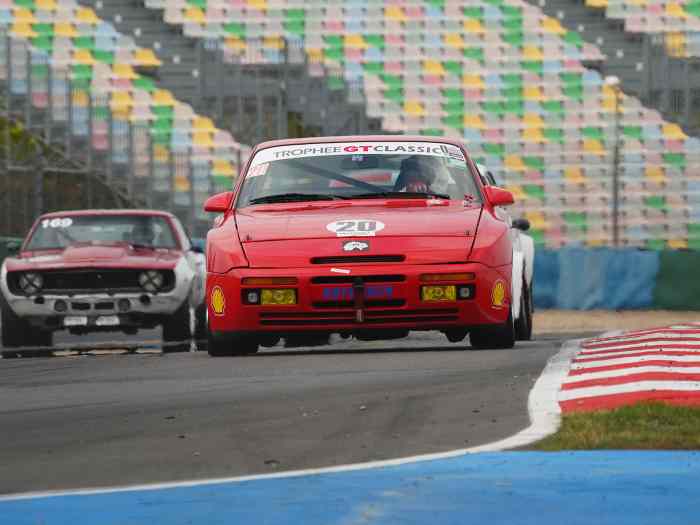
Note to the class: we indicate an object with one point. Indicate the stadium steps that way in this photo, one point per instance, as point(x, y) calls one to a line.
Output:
point(181, 56)
point(624, 51)
point(178, 54)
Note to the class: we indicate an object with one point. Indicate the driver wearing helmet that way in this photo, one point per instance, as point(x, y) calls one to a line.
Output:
point(422, 174)
point(142, 233)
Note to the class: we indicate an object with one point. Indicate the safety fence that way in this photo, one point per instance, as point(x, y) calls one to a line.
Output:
point(609, 279)
point(108, 121)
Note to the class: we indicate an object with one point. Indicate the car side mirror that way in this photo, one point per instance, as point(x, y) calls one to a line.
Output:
point(498, 196)
point(219, 203)
point(521, 224)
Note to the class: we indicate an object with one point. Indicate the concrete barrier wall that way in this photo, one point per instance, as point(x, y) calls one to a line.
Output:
point(625, 279)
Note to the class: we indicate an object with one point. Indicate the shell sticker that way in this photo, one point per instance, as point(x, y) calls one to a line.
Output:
point(498, 294)
point(218, 300)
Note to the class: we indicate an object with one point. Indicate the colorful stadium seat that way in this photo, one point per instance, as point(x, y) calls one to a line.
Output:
point(85, 72)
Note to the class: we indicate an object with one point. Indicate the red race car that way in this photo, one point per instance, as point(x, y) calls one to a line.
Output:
point(102, 271)
point(371, 237)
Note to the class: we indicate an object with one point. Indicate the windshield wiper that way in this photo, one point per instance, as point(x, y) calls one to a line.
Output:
point(295, 197)
point(401, 194)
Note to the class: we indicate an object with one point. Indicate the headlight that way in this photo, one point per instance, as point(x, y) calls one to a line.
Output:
point(31, 283)
point(151, 280)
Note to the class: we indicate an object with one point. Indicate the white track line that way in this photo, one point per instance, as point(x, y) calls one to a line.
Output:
point(621, 372)
point(629, 336)
point(543, 408)
point(642, 344)
point(639, 386)
point(638, 359)
point(645, 347)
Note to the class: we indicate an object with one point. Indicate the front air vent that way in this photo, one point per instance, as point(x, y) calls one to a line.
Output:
point(358, 259)
point(371, 303)
point(349, 279)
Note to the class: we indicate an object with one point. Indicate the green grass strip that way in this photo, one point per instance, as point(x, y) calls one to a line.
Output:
point(643, 426)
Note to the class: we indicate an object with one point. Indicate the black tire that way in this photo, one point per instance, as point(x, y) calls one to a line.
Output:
point(200, 328)
point(17, 333)
point(523, 324)
point(231, 346)
point(177, 333)
point(498, 337)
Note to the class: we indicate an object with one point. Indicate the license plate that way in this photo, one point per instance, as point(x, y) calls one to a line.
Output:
point(346, 293)
point(75, 320)
point(107, 320)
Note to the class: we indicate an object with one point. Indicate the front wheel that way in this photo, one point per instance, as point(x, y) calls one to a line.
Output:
point(497, 337)
point(176, 330)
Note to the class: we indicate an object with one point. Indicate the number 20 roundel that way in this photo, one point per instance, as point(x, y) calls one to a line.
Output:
point(355, 227)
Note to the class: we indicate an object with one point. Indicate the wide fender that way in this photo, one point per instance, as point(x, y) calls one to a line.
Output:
point(517, 281)
point(185, 275)
point(493, 245)
point(527, 245)
point(224, 249)
point(198, 263)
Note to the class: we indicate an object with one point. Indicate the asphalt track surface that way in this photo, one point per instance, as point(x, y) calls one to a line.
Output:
point(91, 421)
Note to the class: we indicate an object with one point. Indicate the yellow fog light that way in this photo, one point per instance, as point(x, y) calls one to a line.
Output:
point(278, 296)
point(438, 293)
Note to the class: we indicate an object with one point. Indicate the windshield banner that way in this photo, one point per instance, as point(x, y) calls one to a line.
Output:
point(298, 151)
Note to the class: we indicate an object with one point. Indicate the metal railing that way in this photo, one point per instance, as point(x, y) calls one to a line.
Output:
point(78, 131)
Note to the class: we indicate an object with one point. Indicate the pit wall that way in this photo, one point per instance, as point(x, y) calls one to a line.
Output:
point(624, 279)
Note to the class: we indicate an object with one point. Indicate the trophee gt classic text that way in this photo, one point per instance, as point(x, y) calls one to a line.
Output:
point(370, 237)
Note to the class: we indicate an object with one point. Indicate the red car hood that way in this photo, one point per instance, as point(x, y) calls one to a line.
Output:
point(94, 256)
point(423, 232)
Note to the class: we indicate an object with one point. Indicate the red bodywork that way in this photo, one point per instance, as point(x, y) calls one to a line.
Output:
point(95, 256)
point(422, 236)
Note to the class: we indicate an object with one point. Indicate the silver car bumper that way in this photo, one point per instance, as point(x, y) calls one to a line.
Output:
point(96, 305)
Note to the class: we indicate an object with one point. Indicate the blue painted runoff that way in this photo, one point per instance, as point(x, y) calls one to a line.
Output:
point(612, 487)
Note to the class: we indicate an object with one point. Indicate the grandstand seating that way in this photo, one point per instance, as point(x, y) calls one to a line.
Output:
point(499, 74)
point(77, 66)
point(677, 21)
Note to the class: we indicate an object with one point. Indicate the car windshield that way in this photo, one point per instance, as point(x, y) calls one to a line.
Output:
point(139, 230)
point(358, 170)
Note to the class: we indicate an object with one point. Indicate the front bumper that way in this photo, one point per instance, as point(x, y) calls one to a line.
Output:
point(99, 309)
point(391, 300)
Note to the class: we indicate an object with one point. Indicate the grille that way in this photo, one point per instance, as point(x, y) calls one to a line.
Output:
point(93, 280)
point(379, 303)
point(104, 306)
point(80, 306)
point(364, 278)
point(372, 317)
point(358, 259)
